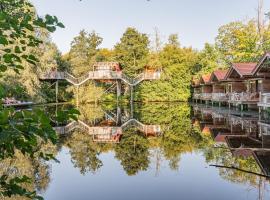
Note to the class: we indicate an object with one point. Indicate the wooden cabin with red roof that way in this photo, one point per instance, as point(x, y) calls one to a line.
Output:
point(219, 88)
point(261, 76)
point(240, 86)
point(206, 88)
point(197, 89)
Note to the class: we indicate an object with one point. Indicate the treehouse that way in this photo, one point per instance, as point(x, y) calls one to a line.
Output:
point(218, 86)
point(240, 86)
point(262, 81)
point(206, 88)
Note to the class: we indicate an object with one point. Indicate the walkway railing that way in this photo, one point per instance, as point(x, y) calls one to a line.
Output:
point(206, 96)
point(101, 75)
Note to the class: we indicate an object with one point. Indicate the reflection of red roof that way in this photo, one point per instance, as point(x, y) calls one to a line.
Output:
point(244, 68)
point(206, 78)
point(220, 74)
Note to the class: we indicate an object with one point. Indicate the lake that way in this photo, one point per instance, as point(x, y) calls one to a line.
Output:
point(156, 151)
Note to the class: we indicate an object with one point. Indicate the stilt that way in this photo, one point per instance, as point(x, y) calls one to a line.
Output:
point(118, 118)
point(118, 89)
point(242, 107)
point(219, 104)
point(56, 91)
point(131, 94)
point(77, 96)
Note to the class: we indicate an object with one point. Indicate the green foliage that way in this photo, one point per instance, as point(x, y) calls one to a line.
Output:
point(83, 51)
point(240, 42)
point(175, 80)
point(132, 51)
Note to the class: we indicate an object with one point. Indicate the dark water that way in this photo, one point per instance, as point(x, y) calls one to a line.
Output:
point(158, 151)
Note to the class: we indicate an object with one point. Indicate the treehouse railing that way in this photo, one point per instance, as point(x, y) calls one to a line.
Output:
point(101, 75)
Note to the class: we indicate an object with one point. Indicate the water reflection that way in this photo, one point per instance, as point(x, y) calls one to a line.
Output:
point(180, 145)
point(242, 145)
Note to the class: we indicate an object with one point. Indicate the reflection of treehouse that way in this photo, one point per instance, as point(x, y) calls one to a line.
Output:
point(111, 134)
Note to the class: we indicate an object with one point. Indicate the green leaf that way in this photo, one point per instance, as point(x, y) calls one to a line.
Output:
point(3, 41)
point(61, 25)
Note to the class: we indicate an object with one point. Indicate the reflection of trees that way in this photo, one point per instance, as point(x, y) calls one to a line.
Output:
point(84, 152)
point(222, 156)
point(178, 135)
point(33, 167)
point(133, 152)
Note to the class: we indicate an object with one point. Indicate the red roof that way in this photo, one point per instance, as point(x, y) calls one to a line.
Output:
point(220, 74)
point(244, 69)
point(206, 78)
point(265, 56)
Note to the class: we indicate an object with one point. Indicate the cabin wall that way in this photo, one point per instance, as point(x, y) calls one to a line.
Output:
point(218, 88)
point(207, 89)
point(265, 86)
point(239, 87)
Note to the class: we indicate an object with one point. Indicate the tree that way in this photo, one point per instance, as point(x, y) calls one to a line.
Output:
point(239, 42)
point(175, 79)
point(83, 50)
point(132, 51)
point(209, 59)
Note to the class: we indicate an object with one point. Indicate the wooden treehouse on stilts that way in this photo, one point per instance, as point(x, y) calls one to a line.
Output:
point(108, 72)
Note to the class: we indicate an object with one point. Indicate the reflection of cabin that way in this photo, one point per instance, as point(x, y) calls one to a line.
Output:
point(206, 88)
point(242, 142)
point(263, 160)
point(239, 85)
point(219, 89)
point(262, 80)
point(108, 135)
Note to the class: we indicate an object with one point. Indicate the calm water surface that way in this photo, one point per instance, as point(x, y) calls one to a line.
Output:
point(160, 151)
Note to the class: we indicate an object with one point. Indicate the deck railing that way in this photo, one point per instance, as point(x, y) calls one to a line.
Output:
point(243, 96)
point(196, 96)
point(206, 96)
point(264, 99)
point(220, 97)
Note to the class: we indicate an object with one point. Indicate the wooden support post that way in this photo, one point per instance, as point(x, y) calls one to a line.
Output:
point(219, 104)
point(118, 89)
point(56, 91)
point(242, 107)
point(118, 118)
point(131, 94)
point(77, 96)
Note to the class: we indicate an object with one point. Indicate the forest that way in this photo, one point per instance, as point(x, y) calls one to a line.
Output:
point(239, 41)
point(27, 51)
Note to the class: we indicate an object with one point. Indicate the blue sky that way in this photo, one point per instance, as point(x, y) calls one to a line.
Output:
point(196, 21)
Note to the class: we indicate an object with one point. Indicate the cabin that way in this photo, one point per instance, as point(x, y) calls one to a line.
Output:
point(261, 80)
point(206, 88)
point(218, 86)
point(240, 86)
point(195, 84)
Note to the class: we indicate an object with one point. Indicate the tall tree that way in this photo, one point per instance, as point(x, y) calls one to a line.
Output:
point(84, 47)
point(132, 51)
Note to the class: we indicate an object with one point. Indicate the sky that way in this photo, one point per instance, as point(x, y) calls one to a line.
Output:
point(195, 21)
